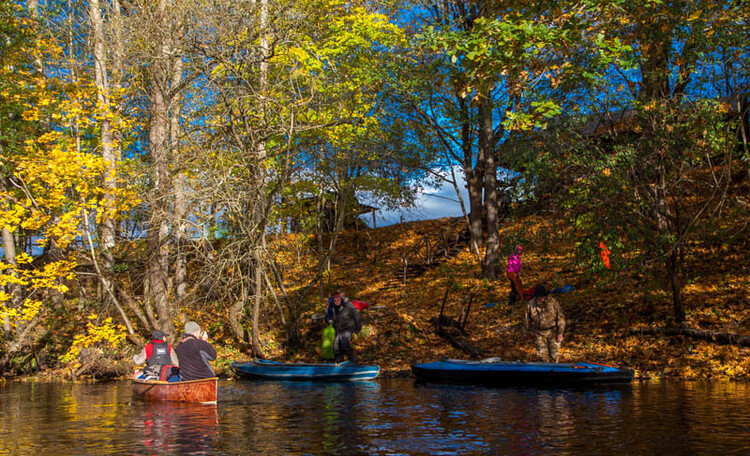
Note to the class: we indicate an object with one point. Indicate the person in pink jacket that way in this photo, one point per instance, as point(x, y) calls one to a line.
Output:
point(514, 275)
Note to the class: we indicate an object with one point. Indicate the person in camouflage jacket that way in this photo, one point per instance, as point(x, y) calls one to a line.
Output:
point(545, 318)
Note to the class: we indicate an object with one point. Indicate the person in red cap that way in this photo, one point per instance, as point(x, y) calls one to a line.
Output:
point(346, 320)
point(155, 355)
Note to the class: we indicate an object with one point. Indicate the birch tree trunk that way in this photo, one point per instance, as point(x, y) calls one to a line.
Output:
point(180, 197)
point(158, 226)
point(109, 153)
point(257, 348)
point(9, 247)
point(261, 190)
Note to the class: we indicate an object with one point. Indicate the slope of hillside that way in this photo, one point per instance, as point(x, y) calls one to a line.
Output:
point(409, 272)
point(610, 313)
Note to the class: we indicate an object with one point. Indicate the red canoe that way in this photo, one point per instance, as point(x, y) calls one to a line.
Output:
point(203, 391)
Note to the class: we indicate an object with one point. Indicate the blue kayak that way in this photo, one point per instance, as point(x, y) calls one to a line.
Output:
point(263, 369)
point(497, 372)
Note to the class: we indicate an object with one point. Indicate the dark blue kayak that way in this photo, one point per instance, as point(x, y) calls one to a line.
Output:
point(263, 369)
point(497, 372)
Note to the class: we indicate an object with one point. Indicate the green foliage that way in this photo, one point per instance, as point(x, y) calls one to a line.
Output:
point(366, 331)
point(635, 191)
point(519, 48)
point(334, 99)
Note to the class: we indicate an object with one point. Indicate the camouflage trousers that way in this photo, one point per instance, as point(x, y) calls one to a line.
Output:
point(547, 346)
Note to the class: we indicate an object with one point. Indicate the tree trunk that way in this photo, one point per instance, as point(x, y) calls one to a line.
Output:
point(664, 221)
point(656, 39)
point(655, 67)
point(109, 153)
point(473, 181)
point(655, 36)
point(117, 70)
point(180, 196)
point(107, 139)
point(674, 273)
point(487, 150)
point(158, 223)
point(258, 216)
point(9, 248)
point(258, 282)
point(237, 310)
point(10, 258)
point(236, 313)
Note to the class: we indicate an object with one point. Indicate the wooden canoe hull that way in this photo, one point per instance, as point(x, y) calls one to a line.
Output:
point(202, 391)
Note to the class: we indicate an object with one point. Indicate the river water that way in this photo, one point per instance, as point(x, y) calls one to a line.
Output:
point(384, 417)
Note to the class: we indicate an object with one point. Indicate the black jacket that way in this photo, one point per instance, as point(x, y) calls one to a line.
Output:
point(194, 355)
point(346, 317)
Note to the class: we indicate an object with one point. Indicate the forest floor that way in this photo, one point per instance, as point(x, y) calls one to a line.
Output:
point(609, 312)
point(613, 315)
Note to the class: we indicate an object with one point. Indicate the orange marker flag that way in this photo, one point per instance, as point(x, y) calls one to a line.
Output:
point(605, 254)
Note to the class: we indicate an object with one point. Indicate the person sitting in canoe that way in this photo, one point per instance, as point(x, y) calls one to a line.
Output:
point(346, 320)
point(157, 355)
point(545, 318)
point(194, 353)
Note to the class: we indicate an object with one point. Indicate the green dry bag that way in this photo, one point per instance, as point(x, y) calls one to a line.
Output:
point(326, 350)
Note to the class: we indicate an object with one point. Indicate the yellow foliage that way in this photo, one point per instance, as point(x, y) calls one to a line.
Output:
point(58, 171)
point(106, 335)
point(28, 310)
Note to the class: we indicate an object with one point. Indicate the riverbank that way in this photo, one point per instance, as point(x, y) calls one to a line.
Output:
point(615, 317)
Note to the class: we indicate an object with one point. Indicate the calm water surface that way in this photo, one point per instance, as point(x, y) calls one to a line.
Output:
point(386, 417)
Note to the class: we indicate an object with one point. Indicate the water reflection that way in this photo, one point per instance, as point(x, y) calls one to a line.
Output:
point(518, 421)
point(292, 417)
point(176, 428)
point(73, 416)
point(386, 417)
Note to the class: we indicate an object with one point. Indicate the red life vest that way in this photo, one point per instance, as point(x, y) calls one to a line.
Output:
point(158, 353)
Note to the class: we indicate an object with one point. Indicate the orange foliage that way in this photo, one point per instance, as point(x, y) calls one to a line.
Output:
point(603, 310)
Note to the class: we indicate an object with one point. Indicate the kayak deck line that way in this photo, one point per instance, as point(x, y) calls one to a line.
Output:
point(497, 371)
point(273, 370)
